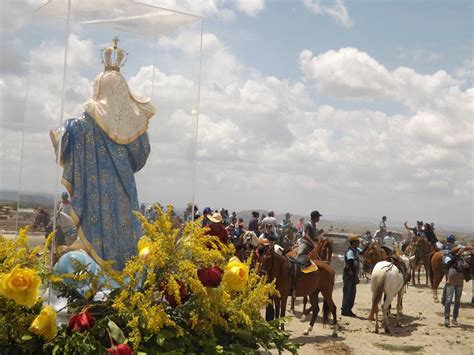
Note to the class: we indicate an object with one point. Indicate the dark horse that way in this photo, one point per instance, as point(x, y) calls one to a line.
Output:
point(278, 268)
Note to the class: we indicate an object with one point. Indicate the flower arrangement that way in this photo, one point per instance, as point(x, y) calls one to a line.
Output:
point(183, 293)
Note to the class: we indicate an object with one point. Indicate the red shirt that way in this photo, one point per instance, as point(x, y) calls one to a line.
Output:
point(219, 231)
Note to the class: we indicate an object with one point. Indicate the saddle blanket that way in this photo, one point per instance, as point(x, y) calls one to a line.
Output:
point(312, 268)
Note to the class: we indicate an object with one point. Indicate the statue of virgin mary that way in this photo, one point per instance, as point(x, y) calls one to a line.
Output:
point(100, 151)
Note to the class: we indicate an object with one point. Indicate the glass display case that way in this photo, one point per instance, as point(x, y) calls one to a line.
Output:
point(66, 42)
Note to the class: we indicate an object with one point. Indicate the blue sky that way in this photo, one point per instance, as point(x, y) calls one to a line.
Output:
point(354, 108)
point(394, 32)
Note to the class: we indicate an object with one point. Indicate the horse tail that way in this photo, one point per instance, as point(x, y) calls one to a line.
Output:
point(326, 312)
point(377, 293)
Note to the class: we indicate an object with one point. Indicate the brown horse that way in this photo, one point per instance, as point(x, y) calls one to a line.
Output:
point(422, 250)
point(277, 268)
point(437, 271)
point(372, 254)
point(322, 251)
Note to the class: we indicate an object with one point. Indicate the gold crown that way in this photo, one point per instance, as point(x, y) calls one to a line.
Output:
point(114, 57)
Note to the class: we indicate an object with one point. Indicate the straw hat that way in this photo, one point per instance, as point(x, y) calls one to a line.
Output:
point(216, 218)
point(264, 241)
point(354, 238)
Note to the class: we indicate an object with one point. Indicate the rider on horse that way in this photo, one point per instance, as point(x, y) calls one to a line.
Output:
point(310, 237)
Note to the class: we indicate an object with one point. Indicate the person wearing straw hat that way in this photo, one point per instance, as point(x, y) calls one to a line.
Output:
point(350, 276)
point(216, 228)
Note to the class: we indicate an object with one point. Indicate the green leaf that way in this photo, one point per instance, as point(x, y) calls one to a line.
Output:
point(160, 339)
point(26, 337)
point(55, 349)
point(116, 332)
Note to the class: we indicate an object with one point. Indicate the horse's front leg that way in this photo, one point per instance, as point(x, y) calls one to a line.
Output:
point(277, 302)
point(283, 302)
point(305, 311)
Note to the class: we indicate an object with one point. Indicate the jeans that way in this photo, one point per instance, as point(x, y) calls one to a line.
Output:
point(348, 292)
point(451, 291)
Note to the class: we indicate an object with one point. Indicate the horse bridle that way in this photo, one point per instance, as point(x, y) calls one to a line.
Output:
point(267, 253)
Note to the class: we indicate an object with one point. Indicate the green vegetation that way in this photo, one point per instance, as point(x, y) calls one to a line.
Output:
point(400, 348)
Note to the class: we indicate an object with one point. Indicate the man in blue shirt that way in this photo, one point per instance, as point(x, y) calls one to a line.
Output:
point(350, 277)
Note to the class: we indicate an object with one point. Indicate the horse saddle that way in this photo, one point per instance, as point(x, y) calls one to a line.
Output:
point(395, 260)
point(304, 263)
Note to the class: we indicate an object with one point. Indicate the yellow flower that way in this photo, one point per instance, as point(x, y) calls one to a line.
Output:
point(143, 242)
point(45, 323)
point(144, 253)
point(236, 274)
point(21, 285)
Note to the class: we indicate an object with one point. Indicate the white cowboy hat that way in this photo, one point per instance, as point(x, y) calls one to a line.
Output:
point(216, 218)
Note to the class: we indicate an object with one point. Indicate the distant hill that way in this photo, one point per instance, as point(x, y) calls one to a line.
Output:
point(27, 198)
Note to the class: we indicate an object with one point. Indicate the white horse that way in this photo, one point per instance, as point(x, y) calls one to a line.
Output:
point(389, 280)
point(250, 238)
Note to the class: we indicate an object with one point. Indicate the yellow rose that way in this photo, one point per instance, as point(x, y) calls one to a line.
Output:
point(21, 285)
point(236, 274)
point(143, 242)
point(144, 253)
point(45, 323)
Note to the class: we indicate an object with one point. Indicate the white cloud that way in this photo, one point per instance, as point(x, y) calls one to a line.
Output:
point(351, 73)
point(250, 7)
point(336, 9)
point(347, 72)
point(466, 71)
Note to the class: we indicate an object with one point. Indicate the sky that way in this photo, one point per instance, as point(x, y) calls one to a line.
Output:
point(354, 108)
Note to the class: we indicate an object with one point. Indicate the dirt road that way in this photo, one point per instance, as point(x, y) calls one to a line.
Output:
point(422, 330)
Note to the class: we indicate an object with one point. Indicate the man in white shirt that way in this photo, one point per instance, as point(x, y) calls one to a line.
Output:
point(270, 219)
point(389, 242)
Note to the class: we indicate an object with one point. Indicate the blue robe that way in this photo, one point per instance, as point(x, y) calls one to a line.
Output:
point(99, 175)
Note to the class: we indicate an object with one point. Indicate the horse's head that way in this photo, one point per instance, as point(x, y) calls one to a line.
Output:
point(407, 262)
point(266, 259)
point(372, 254)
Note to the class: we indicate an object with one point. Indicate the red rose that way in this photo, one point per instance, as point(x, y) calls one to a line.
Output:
point(183, 294)
point(211, 276)
point(121, 349)
point(80, 322)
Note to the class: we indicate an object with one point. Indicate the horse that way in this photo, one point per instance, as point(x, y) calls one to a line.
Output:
point(322, 251)
point(277, 267)
point(388, 279)
point(372, 254)
point(245, 245)
point(422, 250)
point(437, 271)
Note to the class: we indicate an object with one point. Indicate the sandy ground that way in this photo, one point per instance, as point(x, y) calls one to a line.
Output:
point(422, 330)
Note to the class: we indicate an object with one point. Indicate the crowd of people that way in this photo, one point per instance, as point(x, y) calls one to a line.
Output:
point(229, 228)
